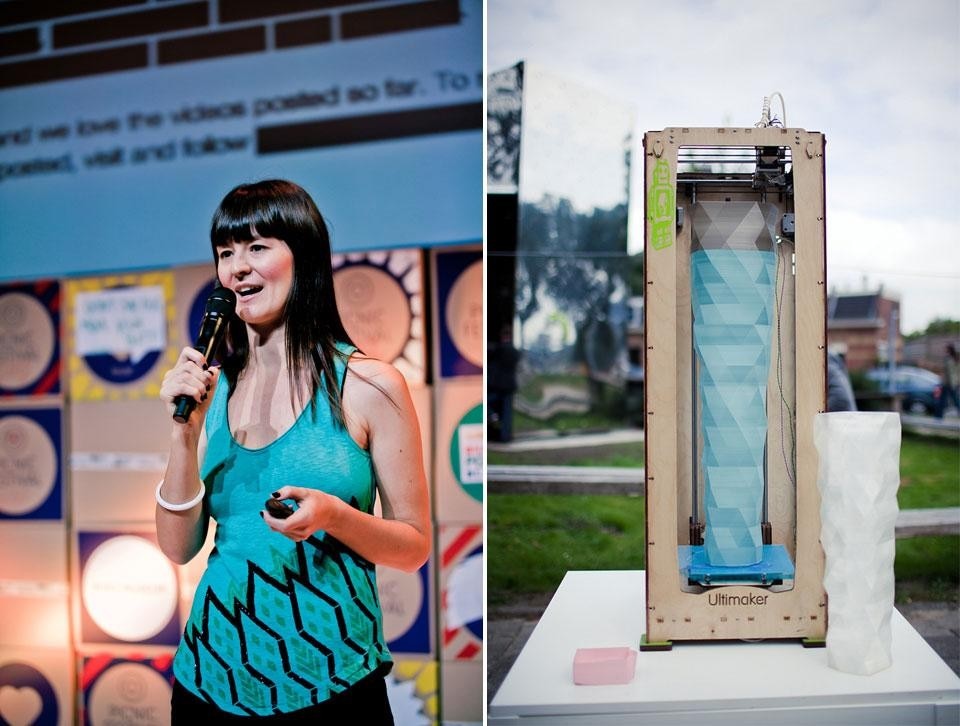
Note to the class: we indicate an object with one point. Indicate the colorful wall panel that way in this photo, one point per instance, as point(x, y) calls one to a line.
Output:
point(407, 601)
point(34, 595)
point(457, 277)
point(461, 591)
point(119, 455)
point(36, 686)
point(119, 330)
point(458, 451)
point(31, 461)
point(380, 296)
point(126, 590)
point(413, 693)
point(30, 339)
point(126, 690)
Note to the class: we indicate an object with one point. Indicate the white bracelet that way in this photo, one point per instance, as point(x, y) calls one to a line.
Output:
point(185, 505)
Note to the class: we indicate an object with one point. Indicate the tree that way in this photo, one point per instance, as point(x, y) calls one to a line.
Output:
point(938, 326)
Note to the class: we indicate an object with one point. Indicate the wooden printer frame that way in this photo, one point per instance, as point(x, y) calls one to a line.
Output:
point(796, 388)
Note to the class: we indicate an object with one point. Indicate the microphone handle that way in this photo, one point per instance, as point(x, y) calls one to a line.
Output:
point(211, 330)
point(185, 406)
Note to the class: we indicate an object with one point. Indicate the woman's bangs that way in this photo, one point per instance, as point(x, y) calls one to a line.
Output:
point(248, 218)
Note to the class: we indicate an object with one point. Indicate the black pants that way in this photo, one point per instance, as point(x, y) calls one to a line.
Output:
point(363, 703)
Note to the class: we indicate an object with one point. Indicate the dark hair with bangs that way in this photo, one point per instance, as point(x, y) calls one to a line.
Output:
point(282, 210)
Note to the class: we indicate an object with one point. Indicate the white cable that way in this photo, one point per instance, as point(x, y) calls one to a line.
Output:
point(783, 107)
point(765, 119)
point(764, 114)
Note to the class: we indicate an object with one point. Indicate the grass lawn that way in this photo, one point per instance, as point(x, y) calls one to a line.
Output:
point(929, 473)
point(532, 540)
point(928, 568)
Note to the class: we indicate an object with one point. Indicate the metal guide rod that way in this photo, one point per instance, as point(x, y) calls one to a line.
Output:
point(694, 501)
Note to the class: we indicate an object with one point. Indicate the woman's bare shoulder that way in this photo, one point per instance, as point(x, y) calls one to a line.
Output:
point(373, 376)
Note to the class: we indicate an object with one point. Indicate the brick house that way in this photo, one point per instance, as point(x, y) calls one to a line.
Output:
point(859, 326)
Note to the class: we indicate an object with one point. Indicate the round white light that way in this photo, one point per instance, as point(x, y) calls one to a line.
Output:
point(129, 588)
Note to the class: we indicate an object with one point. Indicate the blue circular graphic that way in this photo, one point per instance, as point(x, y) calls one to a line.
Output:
point(115, 370)
point(21, 675)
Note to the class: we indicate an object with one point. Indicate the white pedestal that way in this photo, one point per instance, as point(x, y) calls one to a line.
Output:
point(708, 682)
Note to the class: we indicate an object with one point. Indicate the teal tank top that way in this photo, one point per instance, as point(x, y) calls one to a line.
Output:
point(277, 626)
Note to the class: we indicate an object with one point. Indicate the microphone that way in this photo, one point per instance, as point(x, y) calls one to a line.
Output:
point(217, 313)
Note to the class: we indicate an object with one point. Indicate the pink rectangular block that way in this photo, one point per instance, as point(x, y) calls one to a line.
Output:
point(603, 666)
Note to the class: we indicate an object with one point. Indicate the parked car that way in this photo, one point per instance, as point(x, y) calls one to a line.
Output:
point(919, 387)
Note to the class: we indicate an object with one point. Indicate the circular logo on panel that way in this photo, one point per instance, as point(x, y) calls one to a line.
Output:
point(129, 588)
point(28, 465)
point(401, 598)
point(464, 313)
point(466, 452)
point(130, 693)
point(375, 310)
point(27, 697)
point(27, 340)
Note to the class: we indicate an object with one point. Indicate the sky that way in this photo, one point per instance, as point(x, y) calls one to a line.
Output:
point(879, 78)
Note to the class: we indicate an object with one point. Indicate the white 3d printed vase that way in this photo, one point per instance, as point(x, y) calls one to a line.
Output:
point(858, 476)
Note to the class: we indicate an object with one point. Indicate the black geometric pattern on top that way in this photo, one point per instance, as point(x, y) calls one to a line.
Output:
point(318, 593)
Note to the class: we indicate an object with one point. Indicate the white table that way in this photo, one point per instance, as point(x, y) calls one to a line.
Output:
point(700, 683)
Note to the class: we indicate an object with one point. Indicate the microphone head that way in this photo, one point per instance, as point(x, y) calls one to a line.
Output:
point(222, 301)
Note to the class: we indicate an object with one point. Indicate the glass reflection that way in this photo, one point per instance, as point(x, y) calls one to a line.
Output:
point(569, 259)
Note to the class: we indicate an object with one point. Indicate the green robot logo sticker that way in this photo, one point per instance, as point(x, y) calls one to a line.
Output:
point(661, 207)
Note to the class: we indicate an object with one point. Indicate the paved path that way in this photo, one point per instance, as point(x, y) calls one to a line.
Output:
point(549, 440)
point(948, 426)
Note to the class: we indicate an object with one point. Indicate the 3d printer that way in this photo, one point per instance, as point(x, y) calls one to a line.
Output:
point(735, 340)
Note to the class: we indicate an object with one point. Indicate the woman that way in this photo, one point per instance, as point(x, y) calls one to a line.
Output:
point(286, 623)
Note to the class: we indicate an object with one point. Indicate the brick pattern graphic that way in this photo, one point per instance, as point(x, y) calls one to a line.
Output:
point(47, 40)
point(19, 42)
point(397, 18)
point(303, 32)
point(369, 127)
point(130, 25)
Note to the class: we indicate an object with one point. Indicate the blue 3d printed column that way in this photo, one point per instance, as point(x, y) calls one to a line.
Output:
point(733, 281)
